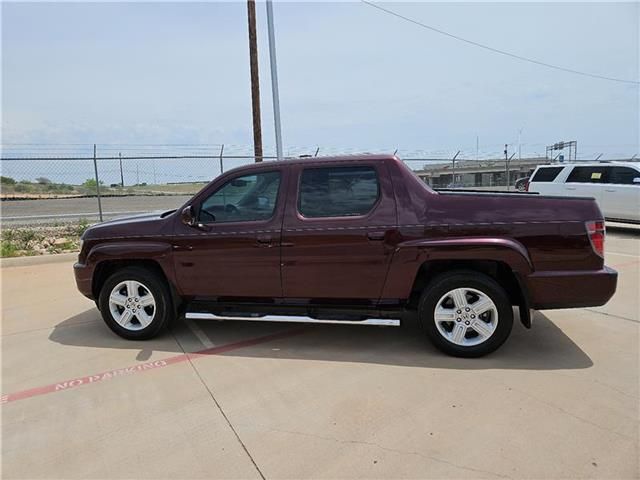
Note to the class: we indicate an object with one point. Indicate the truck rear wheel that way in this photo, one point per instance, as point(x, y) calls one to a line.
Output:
point(466, 313)
point(135, 303)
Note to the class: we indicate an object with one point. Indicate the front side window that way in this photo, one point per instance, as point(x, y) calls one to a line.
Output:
point(242, 199)
point(337, 191)
point(546, 174)
point(624, 175)
point(588, 175)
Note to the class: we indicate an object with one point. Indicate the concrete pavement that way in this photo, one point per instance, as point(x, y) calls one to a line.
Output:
point(285, 401)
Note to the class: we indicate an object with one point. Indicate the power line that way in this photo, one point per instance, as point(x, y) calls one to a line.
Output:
point(495, 50)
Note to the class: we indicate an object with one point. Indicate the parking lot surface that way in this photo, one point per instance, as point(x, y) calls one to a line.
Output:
point(253, 400)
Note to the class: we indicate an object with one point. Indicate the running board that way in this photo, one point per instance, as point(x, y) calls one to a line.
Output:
point(386, 322)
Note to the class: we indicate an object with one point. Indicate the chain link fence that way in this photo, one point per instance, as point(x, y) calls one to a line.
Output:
point(52, 185)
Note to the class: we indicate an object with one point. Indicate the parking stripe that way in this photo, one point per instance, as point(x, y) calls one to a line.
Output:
point(143, 367)
point(197, 331)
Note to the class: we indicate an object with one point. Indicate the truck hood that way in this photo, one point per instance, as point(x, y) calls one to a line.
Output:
point(130, 226)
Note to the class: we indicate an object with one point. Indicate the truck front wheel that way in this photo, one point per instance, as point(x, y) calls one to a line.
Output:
point(135, 303)
point(466, 313)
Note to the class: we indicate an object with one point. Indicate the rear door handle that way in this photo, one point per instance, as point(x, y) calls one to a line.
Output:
point(571, 188)
point(182, 248)
point(610, 190)
point(375, 236)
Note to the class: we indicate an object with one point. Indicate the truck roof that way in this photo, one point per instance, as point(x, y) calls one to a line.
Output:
point(328, 159)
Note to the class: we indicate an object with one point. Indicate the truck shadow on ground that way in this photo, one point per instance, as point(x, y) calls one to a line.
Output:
point(544, 347)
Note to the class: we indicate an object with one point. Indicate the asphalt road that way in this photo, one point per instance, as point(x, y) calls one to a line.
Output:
point(28, 212)
point(282, 401)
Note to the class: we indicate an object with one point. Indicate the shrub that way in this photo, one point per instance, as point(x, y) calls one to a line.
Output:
point(43, 180)
point(81, 227)
point(25, 237)
point(7, 249)
point(7, 181)
point(23, 187)
point(91, 183)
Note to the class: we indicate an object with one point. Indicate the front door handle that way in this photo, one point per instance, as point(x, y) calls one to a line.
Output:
point(264, 241)
point(610, 190)
point(182, 248)
point(375, 236)
point(571, 188)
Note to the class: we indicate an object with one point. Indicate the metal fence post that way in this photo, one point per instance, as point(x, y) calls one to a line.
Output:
point(121, 174)
point(95, 168)
point(221, 166)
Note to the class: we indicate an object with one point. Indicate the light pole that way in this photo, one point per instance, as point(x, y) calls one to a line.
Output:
point(274, 79)
point(520, 143)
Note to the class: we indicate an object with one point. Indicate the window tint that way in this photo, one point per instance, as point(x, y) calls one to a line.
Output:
point(546, 174)
point(242, 199)
point(588, 175)
point(337, 191)
point(623, 175)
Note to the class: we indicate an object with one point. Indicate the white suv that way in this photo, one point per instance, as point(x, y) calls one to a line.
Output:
point(614, 185)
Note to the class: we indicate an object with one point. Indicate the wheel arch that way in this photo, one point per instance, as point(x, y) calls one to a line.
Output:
point(154, 257)
point(499, 271)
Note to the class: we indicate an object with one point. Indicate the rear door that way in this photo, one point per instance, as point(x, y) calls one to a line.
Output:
point(621, 196)
point(339, 221)
point(587, 181)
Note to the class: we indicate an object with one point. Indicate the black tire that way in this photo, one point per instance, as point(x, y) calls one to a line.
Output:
point(447, 282)
point(163, 311)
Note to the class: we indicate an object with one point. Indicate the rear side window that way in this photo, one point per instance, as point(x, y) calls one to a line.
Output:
point(338, 191)
point(623, 175)
point(547, 174)
point(588, 175)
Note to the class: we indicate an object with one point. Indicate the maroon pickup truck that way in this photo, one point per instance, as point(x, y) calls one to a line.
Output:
point(348, 239)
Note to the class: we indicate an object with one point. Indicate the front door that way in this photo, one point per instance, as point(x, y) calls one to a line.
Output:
point(338, 225)
point(234, 252)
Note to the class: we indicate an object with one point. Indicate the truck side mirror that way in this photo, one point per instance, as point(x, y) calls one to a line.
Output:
point(636, 180)
point(187, 216)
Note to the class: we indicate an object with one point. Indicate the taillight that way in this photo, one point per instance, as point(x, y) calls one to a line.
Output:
point(526, 186)
point(597, 233)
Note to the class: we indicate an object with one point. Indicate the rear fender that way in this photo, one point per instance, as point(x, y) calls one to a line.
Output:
point(411, 255)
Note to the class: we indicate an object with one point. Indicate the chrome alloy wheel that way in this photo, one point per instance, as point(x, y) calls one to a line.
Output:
point(466, 317)
point(132, 305)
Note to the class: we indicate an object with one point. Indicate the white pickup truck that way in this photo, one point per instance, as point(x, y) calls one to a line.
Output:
point(614, 185)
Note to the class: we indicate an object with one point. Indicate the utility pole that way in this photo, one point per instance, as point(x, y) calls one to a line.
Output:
point(255, 81)
point(274, 79)
point(121, 174)
point(477, 147)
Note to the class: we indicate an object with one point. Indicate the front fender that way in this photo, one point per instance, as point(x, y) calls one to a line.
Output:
point(126, 250)
point(412, 254)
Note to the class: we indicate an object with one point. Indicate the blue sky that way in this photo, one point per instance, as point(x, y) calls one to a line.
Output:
point(351, 78)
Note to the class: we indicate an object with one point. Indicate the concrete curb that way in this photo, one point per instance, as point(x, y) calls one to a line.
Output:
point(38, 260)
